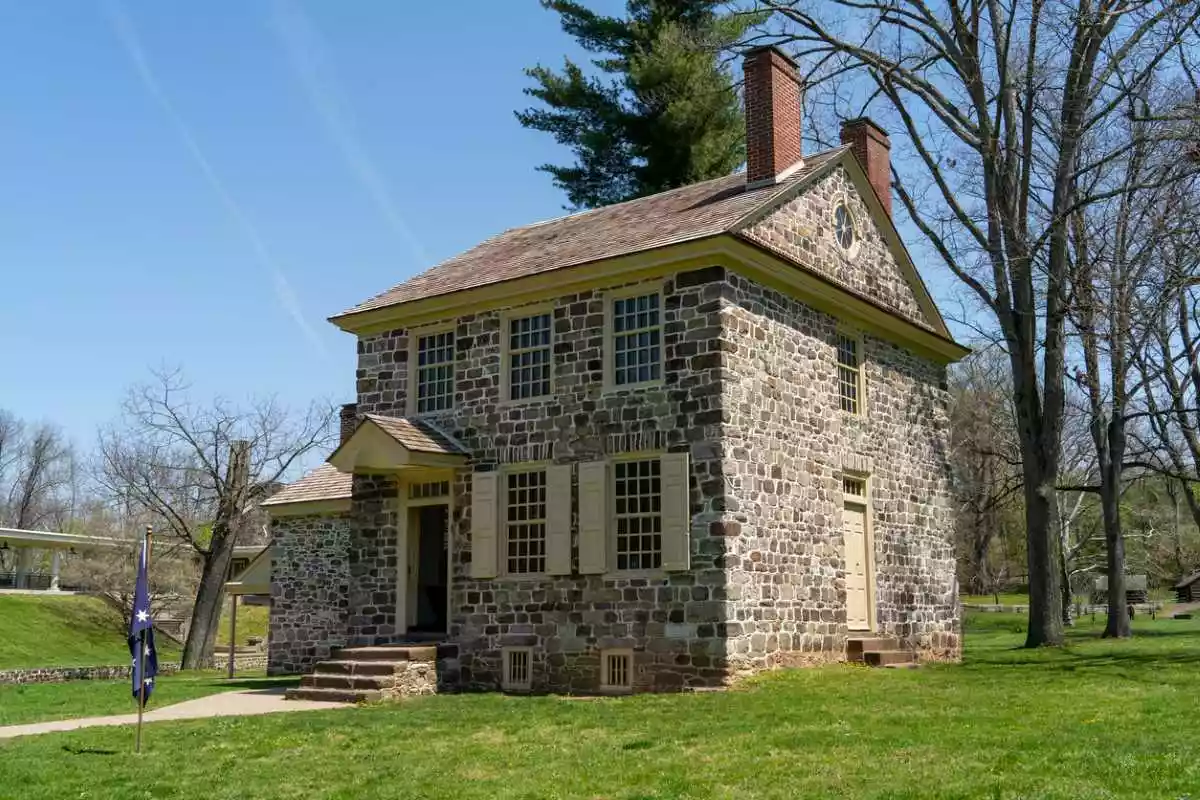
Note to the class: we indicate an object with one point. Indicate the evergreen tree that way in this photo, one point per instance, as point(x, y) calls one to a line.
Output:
point(663, 112)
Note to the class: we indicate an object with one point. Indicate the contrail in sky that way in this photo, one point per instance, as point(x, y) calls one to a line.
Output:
point(127, 34)
point(306, 52)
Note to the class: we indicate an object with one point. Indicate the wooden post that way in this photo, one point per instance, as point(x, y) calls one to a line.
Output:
point(233, 604)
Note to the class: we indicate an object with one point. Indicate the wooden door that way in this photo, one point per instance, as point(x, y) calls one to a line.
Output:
point(854, 523)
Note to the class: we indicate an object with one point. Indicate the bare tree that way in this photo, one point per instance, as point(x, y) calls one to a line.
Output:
point(199, 470)
point(1116, 247)
point(999, 104)
point(985, 464)
point(37, 473)
point(110, 571)
point(1170, 365)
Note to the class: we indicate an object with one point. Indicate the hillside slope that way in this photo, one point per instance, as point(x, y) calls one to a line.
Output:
point(47, 630)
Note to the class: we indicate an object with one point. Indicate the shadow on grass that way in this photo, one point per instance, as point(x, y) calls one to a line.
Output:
point(88, 751)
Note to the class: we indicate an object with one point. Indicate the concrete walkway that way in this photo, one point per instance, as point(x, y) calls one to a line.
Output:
point(226, 704)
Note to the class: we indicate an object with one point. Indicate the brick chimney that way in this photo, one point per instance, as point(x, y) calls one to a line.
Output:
point(349, 420)
point(873, 149)
point(773, 94)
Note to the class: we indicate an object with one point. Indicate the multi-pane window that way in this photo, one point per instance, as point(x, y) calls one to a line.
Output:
point(425, 491)
point(529, 357)
point(525, 525)
point(435, 372)
point(637, 339)
point(854, 487)
point(849, 373)
point(637, 490)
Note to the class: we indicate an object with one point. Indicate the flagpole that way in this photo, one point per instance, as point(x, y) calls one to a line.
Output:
point(141, 653)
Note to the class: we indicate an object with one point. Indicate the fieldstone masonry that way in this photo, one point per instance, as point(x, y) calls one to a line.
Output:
point(801, 228)
point(749, 390)
point(309, 590)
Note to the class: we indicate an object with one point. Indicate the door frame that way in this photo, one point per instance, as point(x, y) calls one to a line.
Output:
point(865, 502)
point(408, 536)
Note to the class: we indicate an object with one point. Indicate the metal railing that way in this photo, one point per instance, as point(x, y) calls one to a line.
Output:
point(30, 580)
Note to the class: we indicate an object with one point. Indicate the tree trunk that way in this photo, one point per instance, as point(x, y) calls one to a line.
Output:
point(1114, 538)
point(1064, 578)
point(1045, 595)
point(210, 596)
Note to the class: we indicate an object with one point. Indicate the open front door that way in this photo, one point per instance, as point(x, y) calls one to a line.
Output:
point(432, 569)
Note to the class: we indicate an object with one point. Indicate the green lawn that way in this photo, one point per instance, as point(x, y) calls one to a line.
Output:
point(40, 702)
point(46, 630)
point(1006, 599)
point(251, 621)
point(1099, 719)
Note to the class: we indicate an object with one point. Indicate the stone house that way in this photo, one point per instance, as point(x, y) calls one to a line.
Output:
point(645, 447)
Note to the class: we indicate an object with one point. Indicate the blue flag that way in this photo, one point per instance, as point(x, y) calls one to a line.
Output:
point(141, 632)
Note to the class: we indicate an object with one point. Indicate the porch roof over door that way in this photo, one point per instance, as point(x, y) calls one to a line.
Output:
point(387, 444)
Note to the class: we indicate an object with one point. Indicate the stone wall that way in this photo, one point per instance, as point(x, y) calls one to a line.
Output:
point(62, 674)
point(801, 228)
point(672, 620)
point(372, 560)
point(309, 590)
point(786, 453)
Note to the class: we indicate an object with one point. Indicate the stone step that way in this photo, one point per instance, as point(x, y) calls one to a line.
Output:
point(335, 695)
point(909, 665)
point(323, 681)
point(856, 646)
point(387, 653)
point(356, 668)
point(885, 658)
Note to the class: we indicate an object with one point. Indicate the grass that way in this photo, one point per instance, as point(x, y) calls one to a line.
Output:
point(46, 630)
point(1006, 599)
point(41, 702)
point(1097, 719)
point(251, 621)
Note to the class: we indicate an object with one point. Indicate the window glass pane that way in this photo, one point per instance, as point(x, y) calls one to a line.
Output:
point(637, 489)
point(848, 373)
point(637, 340)
point(529, 357)
point(525, 530)
point(435, 372)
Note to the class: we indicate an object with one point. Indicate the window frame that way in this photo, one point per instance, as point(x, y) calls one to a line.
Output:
point(860, 370)
point(606, 684)
point(612, 534)
point(502, 572)
point(849, 253)
point(610, 335)
point(507, 317)
point(414, 369)
point(506, 683)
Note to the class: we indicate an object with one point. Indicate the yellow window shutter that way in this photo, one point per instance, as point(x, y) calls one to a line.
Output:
point(676, 513)
point(484, 523)
point(558, 519)
point(593, 517)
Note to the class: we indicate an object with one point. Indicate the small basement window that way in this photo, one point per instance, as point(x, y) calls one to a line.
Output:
point(616, 670)
point(518, 669)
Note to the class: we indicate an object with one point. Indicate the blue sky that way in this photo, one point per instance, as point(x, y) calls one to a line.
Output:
point(201, 184)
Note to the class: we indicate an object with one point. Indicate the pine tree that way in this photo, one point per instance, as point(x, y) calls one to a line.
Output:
point(662, 113)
